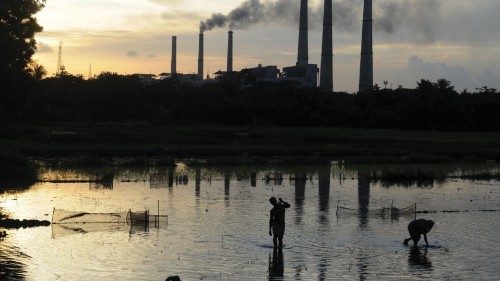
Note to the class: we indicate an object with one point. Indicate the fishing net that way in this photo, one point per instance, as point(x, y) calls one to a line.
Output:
point(383, 212)
point(60, 216)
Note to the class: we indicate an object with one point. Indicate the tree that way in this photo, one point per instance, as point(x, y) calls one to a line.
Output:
point(18, 27)
point(37, 71)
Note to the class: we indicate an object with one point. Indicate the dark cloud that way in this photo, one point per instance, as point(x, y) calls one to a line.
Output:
point(132, 53)
point(421, 19)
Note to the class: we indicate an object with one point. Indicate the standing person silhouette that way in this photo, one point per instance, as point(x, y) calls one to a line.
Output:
point(277, 220)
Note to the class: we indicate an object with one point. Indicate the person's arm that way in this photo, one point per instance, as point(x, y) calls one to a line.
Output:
point(285, 204)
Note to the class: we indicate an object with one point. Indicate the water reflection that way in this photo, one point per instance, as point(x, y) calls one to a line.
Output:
point(11, 265)
point(324, 194)
point(158, 180)
point(318, 248)
point(417, 259)
point(322, 269)
point(276, 265)
point(363, 200)
point(363, 267)
point(300, 190)
point(227, 187)
point(197, 188)
point(253, 179)
point(171, 172)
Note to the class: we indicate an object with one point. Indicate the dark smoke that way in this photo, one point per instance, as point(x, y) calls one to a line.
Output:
point(420, 17)
point(252, 12)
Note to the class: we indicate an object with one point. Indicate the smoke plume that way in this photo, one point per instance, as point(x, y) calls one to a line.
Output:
point(419, 16)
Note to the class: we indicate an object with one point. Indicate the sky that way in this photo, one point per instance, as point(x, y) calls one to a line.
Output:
point(413, 39)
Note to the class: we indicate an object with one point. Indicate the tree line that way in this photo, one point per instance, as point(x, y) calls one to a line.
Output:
point(111, 97)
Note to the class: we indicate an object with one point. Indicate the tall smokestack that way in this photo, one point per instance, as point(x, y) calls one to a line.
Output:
point(366, 65)
point(173, 65)
point(230, 51)
point(200, 57)
point(326, 79)
point(303, 53)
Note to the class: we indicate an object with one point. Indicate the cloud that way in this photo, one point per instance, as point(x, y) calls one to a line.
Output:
point(132, 53)
point(44, 48)
point(151, 56)
point(166, 2)
point(489, 78)
point(178, 15)
point(458, 75)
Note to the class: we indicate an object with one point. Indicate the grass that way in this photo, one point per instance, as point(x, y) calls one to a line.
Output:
point(15, 169)
point(294, 144)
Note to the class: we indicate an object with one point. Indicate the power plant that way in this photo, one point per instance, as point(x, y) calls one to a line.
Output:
point(302, 73)
point(173, 65)
point(366, 64)
point(303, 50)
point(326, 82)
point(230, 52)
point(200, 57)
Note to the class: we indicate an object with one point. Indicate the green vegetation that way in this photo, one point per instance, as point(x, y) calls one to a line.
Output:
point(303, 145)
point(18, 27)
point(15, 169)
point(116, 98)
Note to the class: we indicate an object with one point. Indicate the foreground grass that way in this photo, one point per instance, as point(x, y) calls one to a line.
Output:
point(295, 144)
point(15, 169)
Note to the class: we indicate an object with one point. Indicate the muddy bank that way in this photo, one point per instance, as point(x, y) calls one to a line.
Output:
point(16, 224)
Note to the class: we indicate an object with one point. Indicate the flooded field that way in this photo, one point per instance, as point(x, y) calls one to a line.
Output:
point(218, 226)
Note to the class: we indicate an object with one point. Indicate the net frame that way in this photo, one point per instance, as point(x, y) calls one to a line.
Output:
point(392, 212)
point(61, 216)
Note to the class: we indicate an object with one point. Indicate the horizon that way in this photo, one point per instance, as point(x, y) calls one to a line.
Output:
point(136, 38)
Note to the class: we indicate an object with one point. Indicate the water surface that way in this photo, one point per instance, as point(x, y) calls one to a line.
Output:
point(218, 227)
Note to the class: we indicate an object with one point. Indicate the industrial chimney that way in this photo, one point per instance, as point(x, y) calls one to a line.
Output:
point(230, 52)
point(173, 65)
point(326, 79)
point(366, 65)
point(303, 52)
point(200, 57)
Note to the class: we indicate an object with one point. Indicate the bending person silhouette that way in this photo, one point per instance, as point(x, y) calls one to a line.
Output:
point(417, 228)
point(277, 220)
